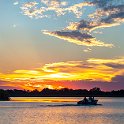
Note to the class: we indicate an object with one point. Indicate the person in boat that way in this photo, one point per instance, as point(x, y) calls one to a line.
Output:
point(91, 99)
point(85, 99)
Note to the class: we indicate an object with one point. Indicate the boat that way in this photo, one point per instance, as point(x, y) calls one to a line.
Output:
point(90, 101)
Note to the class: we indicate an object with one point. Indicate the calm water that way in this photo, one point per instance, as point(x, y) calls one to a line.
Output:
point(61, 111)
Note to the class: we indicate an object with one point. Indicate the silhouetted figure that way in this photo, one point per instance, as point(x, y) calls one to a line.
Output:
point(91, 99)
point(85, 100)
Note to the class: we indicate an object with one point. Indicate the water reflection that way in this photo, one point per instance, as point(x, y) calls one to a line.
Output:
point(44, 99)
point(29, 111)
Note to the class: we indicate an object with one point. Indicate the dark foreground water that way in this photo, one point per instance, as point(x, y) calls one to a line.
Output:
point(61, 111)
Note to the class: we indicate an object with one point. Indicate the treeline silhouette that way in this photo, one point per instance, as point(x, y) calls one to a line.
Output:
point(4, 96)
point(65, 92)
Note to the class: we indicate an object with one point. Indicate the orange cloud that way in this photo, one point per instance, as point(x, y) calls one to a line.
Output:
point(103, 70)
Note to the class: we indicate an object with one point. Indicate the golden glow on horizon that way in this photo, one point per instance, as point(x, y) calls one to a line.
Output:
point(44, 99)
point(91, 69)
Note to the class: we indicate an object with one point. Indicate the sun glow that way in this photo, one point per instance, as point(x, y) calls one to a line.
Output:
point(59, 75)
point(91, 69)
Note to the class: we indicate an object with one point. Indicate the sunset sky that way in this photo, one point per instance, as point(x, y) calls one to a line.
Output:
point(62, 43)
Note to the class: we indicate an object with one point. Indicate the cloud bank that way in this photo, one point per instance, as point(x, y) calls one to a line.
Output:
point(41, 9)
point(78, 38)
point(92, 70)
point(107, 14)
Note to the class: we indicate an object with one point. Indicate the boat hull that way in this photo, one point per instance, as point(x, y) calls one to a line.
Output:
point(87, 103)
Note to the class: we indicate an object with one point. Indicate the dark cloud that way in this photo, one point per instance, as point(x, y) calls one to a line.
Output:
point(7, 85)
point(108, 13)
point(111, 11)
point(106, 3)
point(115, 65)
point(115, 14)
point(118, 78)
point(74, 34)
point(105, 17)
point(88, 84)
point(88, 26)
point(3, 82)
point(78, 38)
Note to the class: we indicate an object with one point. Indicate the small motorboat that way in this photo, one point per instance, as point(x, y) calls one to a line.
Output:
point(90, 101)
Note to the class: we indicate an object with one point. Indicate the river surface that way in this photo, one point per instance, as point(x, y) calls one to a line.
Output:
point(57, 110)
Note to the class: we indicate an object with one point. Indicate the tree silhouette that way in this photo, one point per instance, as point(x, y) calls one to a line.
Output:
point(4, 96)
point(65, 92)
